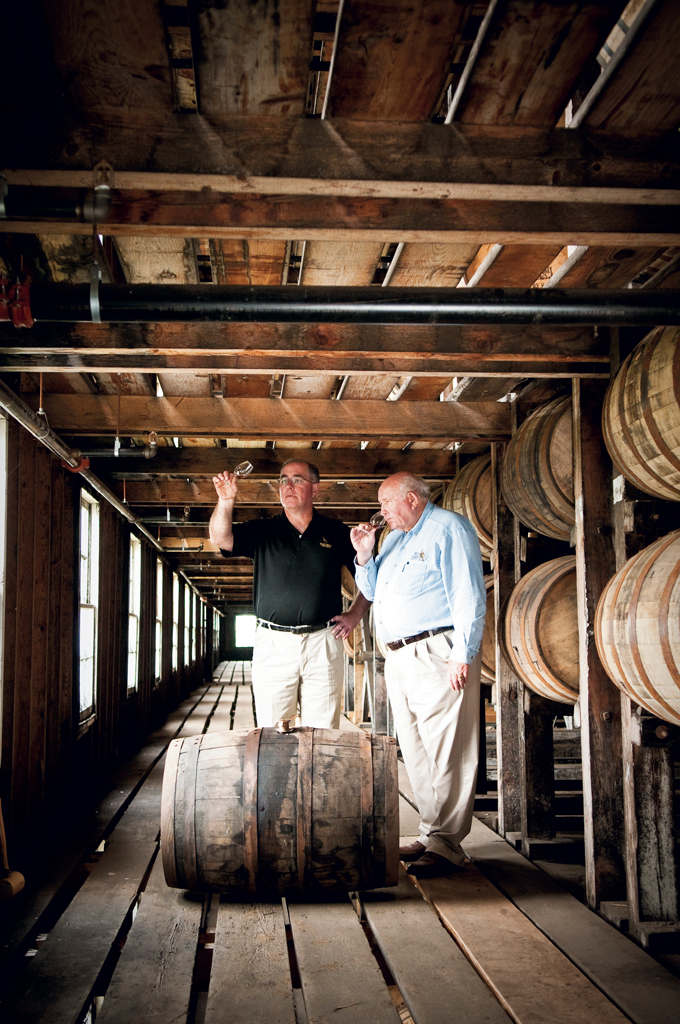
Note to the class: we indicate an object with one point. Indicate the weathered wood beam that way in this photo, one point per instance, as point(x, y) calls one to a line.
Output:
point(493, 219)
point(343, 157)
point(333, 463)
point(492, 350)
point(509, 696)
point(250, 492)
point(599, 698)
point(302, 419)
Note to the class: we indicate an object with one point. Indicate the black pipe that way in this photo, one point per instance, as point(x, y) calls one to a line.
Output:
point(29, 202)
point(143, 303)
point(125, 453)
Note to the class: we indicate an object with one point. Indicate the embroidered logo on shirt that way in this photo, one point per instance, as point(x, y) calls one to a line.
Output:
point(324, 543)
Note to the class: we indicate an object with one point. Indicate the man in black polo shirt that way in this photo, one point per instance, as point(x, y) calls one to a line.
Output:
point(298, 556)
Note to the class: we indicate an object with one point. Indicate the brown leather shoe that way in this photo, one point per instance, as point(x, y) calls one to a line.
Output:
point(411, 852)
point(432, 865)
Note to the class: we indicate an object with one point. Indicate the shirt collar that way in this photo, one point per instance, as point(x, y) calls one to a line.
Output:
point(427, 512)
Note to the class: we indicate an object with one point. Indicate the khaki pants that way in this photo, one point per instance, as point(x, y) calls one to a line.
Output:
point(291, 669)
point(438, 732)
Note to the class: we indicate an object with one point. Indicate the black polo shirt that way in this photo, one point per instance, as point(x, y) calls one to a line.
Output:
point(296, 575)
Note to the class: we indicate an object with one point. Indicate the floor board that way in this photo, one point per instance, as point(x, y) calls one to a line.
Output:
point(632, 979)
point(57, 982)
point(341, 981)
point(250, 981)
point(435, 978)
point(532, 979)
point(152, 981)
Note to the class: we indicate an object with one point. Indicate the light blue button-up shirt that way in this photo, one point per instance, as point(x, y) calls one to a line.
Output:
point(428, 577)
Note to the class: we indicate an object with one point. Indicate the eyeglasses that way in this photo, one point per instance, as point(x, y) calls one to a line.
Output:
point(296, 481)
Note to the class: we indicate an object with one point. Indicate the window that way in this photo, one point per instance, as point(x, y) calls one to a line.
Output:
point(187, 625)
point(175, 622)
point(195, 609)
point(159, 621)
point(244, 630)
point(89, 600)
point(134, 602)
point(216, 631)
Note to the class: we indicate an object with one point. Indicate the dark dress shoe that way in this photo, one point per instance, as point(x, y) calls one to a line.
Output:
point(411, 852)
point(432, 865)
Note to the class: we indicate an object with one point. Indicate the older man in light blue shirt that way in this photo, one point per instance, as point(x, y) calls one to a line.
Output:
point(429, 602)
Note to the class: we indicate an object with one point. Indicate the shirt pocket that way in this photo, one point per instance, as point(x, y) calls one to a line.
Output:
point(414, 577)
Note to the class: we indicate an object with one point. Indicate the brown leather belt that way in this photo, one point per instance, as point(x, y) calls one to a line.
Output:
point(396, 644)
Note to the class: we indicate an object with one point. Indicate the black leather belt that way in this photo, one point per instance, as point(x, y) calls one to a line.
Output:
point(293, 629)
point(396, 644)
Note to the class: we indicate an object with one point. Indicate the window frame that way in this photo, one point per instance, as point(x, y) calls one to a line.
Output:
point(88, 574)
point(134, 612)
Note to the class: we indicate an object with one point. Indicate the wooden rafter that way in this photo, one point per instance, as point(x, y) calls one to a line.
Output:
point(295, 419)
point(307, 349)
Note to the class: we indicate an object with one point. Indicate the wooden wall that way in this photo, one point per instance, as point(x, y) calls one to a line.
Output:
point(51, 762)
point(39, 704)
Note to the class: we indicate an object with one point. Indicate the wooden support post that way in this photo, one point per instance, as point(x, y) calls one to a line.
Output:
point(380, 702)
point(537, 776)
point(651, 859)
point(599, 698)
point(359, 674)
point(482, 784)
point(509, 689)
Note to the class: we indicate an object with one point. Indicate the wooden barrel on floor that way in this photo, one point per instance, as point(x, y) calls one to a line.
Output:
point(314, 810)
point(641, 415)
point(489, 636)
point(637, 628)
point(469, 494)
point(537, 478)
point(540, 631)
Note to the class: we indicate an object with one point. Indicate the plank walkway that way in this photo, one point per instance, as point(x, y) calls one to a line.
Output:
point(498, 941)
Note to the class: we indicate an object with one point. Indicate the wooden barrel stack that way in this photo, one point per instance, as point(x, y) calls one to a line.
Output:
point(469, 494)
point(537, 477)
point(641, 415)
point(314, 810)
point(540, 633)
point(637, 628)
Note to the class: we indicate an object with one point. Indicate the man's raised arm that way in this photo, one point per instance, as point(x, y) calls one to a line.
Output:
point(221, 520)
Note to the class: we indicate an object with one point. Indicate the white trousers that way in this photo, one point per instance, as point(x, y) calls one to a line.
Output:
point(438, 732)
point(297, 668)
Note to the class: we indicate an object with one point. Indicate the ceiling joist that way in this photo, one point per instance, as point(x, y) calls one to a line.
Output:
point(295, 418)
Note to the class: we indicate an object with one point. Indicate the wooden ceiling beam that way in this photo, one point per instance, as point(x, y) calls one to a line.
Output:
point(495, 219)
point(295, 419)
point(308, 349)
point(250, 492)
point(333, 463)
point(345, 158)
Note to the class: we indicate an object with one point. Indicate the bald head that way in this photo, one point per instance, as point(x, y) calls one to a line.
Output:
point(402, 498)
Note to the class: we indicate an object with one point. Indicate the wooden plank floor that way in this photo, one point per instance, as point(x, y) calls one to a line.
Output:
point(463, 949)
